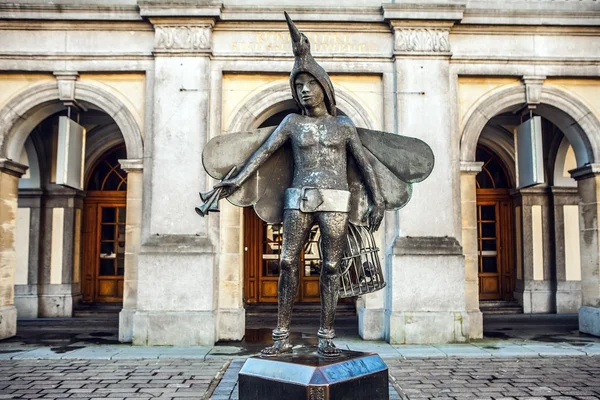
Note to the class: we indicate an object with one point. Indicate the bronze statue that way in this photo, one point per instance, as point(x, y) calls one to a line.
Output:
point(314, 168)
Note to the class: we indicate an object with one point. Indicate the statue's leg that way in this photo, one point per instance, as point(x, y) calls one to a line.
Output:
point(296, 226)
point(334, 227)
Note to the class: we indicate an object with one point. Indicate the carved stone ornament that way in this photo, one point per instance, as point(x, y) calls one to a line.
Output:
point(422, 40)
point(182, 38)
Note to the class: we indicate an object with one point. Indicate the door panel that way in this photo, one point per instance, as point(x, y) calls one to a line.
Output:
point(104, 246)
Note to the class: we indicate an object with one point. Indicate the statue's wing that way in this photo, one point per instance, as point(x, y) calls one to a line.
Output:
point(397, 161)
point(410, 159)
point(265, 188)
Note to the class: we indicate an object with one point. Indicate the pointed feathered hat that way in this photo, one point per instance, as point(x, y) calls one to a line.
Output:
point(304, 62)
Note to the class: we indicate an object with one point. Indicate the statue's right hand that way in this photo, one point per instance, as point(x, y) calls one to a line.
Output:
point(228, 186)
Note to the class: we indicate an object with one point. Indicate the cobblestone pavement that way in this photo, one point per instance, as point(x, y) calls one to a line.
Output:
point(115, 379)
point(539, 378)
point(531, 378)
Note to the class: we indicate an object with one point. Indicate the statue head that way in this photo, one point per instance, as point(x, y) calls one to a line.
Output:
point(305, 63)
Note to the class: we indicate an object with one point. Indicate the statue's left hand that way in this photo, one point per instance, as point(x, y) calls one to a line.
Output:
point(227, 186)
point(376, 215)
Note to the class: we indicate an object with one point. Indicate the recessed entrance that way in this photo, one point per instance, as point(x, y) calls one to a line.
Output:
point(494, 230)
point(104, 230)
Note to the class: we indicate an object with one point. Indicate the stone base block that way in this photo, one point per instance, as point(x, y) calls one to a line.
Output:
point(8, 321)
point(475, 324)
point(353, 375)
point(371, 323)
point(56, 306)
point(568, 297)
point(589, 320)
point(27, 306)
point(165, 328)
point(126, 325)
point(232, 324)
point(536, 301)
point(410, 327)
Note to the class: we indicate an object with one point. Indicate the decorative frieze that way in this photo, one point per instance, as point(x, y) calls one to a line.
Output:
point(182, 38)
point(421, 40)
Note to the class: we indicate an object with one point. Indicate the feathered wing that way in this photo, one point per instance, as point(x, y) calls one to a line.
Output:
point(398, 161)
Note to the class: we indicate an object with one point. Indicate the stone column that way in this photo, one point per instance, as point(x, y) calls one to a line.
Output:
point(28, 253)
point(588, 184)
point(10, 172)
point(177, 288)
point(468, 201)
point(59, 285)
point(534, 283)
point(567, 249)
point(426, 300)
point(133, 225)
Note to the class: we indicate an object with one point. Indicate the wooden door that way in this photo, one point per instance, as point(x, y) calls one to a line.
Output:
point(104, 247)
point(262, 247)
point(103, 233)
point(494, 245)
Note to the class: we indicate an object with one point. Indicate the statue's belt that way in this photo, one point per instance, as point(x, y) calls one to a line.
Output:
point(311, 199)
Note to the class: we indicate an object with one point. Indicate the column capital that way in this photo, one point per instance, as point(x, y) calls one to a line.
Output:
point(11, 167)
point(132, 165)
point(471, 167)
point(585, 172)
point(182, 28)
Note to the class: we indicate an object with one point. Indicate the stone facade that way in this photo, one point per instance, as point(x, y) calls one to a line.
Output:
point(162, 78)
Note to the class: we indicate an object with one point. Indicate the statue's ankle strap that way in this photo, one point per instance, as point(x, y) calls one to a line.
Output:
point(281, 333)
point(325, 333)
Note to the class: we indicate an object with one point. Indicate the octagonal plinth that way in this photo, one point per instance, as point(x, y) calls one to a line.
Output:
point(353, 375)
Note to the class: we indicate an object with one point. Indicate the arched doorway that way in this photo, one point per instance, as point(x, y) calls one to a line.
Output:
point(494, 229)
point(104, 229)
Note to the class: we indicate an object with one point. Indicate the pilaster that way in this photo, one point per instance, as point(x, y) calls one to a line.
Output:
point(588, 186)
point(10, 172)
point(59, 284)
point(468, 199)
point(133, 225)
point(176, 262)
point(567, 251)
point(534, 283)
point(427, 291)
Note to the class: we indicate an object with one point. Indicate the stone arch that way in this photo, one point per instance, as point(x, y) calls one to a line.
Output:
point(31, 106)
point(496, 140)
point(275, 98)
point(31, 179)
point(98, 142)
point(562, 108)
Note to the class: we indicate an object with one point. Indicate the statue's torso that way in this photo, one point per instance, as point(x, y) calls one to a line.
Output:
point(319, 147)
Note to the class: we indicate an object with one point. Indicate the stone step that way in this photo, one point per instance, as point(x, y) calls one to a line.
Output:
point(90, 310)
point(500, 307)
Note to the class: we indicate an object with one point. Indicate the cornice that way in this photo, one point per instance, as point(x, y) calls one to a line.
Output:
point(66, 11)
point(423, 11)
point(188, 9)
point(300, 14)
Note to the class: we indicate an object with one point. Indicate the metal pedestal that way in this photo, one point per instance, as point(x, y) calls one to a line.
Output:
point(306, 375)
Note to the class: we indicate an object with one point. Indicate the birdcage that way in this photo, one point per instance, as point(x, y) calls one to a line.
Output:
point(360, 268)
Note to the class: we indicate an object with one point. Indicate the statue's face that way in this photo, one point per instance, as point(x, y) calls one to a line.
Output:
point(309, 91)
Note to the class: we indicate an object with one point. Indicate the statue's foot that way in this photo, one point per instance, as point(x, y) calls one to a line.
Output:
point(281, 346)
point(328, 349)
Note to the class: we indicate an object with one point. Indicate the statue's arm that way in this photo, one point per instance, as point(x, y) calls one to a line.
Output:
point(279, 136)
point(377, 201)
